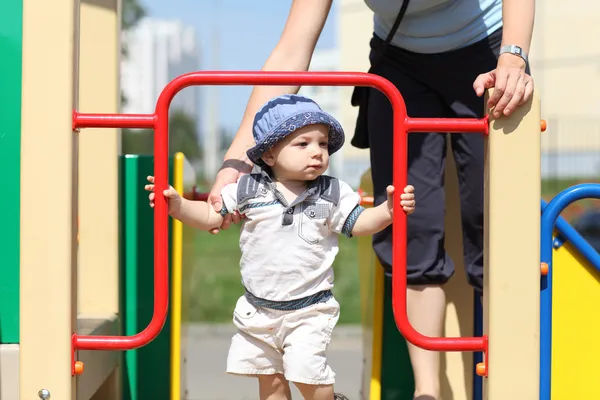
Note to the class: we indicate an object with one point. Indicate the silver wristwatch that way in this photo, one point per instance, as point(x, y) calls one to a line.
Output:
point(514, 49)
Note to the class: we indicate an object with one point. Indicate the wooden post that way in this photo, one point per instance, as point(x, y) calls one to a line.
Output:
point(48, 299)
point(512, 254)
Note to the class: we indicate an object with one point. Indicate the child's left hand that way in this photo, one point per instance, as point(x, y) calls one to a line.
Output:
point(407, 199)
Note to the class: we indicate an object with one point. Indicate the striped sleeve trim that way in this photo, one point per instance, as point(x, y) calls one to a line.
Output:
point(224, 210)
point(351, 220)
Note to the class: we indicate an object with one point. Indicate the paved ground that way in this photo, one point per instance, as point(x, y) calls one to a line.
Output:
point(207, 353)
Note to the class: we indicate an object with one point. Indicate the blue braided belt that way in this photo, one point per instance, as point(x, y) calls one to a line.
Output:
point(288, 305)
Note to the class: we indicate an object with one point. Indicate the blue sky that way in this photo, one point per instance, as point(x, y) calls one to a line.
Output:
point(248, 31)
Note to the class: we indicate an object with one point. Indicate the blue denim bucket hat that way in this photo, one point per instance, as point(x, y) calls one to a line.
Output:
point(285, 114)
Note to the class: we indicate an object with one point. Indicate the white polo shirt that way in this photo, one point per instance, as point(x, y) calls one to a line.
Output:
point(288, 249)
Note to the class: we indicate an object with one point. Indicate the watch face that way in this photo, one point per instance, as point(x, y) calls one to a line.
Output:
point(513, 49)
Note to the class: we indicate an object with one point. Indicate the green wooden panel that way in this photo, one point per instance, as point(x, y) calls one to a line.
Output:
point(146, 370)
point(11, 22)
point(397, 382)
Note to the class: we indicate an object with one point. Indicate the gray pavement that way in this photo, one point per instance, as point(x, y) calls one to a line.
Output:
point(206, 355)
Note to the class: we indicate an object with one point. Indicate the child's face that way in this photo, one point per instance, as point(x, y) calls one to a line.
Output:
point(303, 155)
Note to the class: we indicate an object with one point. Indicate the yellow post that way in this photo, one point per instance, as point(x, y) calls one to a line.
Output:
point(98, 159)
point(48, 199)
point(456, 369)
point(372, 285)
point(176, 282)
point(98, 283)
point(512, 254)
point(456, 372)
point(184, 180)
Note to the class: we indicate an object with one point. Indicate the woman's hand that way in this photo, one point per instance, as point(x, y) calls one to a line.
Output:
point(230, 172)
point(512, 85)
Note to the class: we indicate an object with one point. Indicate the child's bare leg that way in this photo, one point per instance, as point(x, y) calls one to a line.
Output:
point(274, 387)
point(426, 311)
point(315, 392)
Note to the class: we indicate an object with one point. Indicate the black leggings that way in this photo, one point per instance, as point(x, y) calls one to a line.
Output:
point(433, 85)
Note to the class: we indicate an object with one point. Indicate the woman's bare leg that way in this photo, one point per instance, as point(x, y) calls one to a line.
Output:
point(426, 312)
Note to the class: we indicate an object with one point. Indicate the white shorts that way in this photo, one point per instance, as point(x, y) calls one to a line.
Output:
point(292, 343)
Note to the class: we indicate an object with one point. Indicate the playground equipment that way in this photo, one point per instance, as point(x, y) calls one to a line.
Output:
point(402, 126)
point(550, 216)
point(141, 379)
point(68, 302)
point(387, 372)
point(52, 285)
point(566, 307)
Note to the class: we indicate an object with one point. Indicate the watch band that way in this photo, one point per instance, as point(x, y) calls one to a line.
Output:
point(514, 49)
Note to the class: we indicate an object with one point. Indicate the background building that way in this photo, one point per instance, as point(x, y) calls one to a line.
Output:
point(158, 51)
point(328, 97)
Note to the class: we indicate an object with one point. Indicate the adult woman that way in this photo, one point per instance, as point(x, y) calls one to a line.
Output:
point(442, 57)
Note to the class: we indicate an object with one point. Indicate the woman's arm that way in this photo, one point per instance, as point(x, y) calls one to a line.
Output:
point(293, 52)
point(512, 85)
point(518, 17)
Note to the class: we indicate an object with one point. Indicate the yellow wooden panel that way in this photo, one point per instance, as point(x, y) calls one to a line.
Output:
point(511, 306)
point(575, 327)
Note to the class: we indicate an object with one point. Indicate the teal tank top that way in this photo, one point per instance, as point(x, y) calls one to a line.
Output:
point(436, 26)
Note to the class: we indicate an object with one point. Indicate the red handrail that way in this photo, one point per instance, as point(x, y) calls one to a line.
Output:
point(399, 233)
point(159, 121)
point(161, 272)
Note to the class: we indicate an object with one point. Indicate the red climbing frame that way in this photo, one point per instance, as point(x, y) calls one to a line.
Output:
point(159, 122)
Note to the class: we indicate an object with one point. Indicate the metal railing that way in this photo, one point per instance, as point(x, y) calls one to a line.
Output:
point(159, 122)
point(550, 219)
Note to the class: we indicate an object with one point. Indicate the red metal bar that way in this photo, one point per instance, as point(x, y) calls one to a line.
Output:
point(452, 125)
point(161, 273)
point(133, 121)
point(401, 125)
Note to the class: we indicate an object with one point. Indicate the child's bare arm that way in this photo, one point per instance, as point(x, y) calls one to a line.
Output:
point(372, 220)
point(197, 214)
point(376, 219)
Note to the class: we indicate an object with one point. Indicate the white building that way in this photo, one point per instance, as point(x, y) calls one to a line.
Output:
point(327, 60)
point(157, 52)
point(345, 164)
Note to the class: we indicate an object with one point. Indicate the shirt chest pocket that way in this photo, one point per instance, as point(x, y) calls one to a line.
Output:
point(313, 222)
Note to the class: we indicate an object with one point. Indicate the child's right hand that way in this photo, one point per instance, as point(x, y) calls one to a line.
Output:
point(171, 194)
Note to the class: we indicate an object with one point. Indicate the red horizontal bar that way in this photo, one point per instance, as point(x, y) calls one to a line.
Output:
point(276, 78)
point(399, 253)
point(126, 342)
point(133, 121)
point(452, 125)
point(438, 343)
